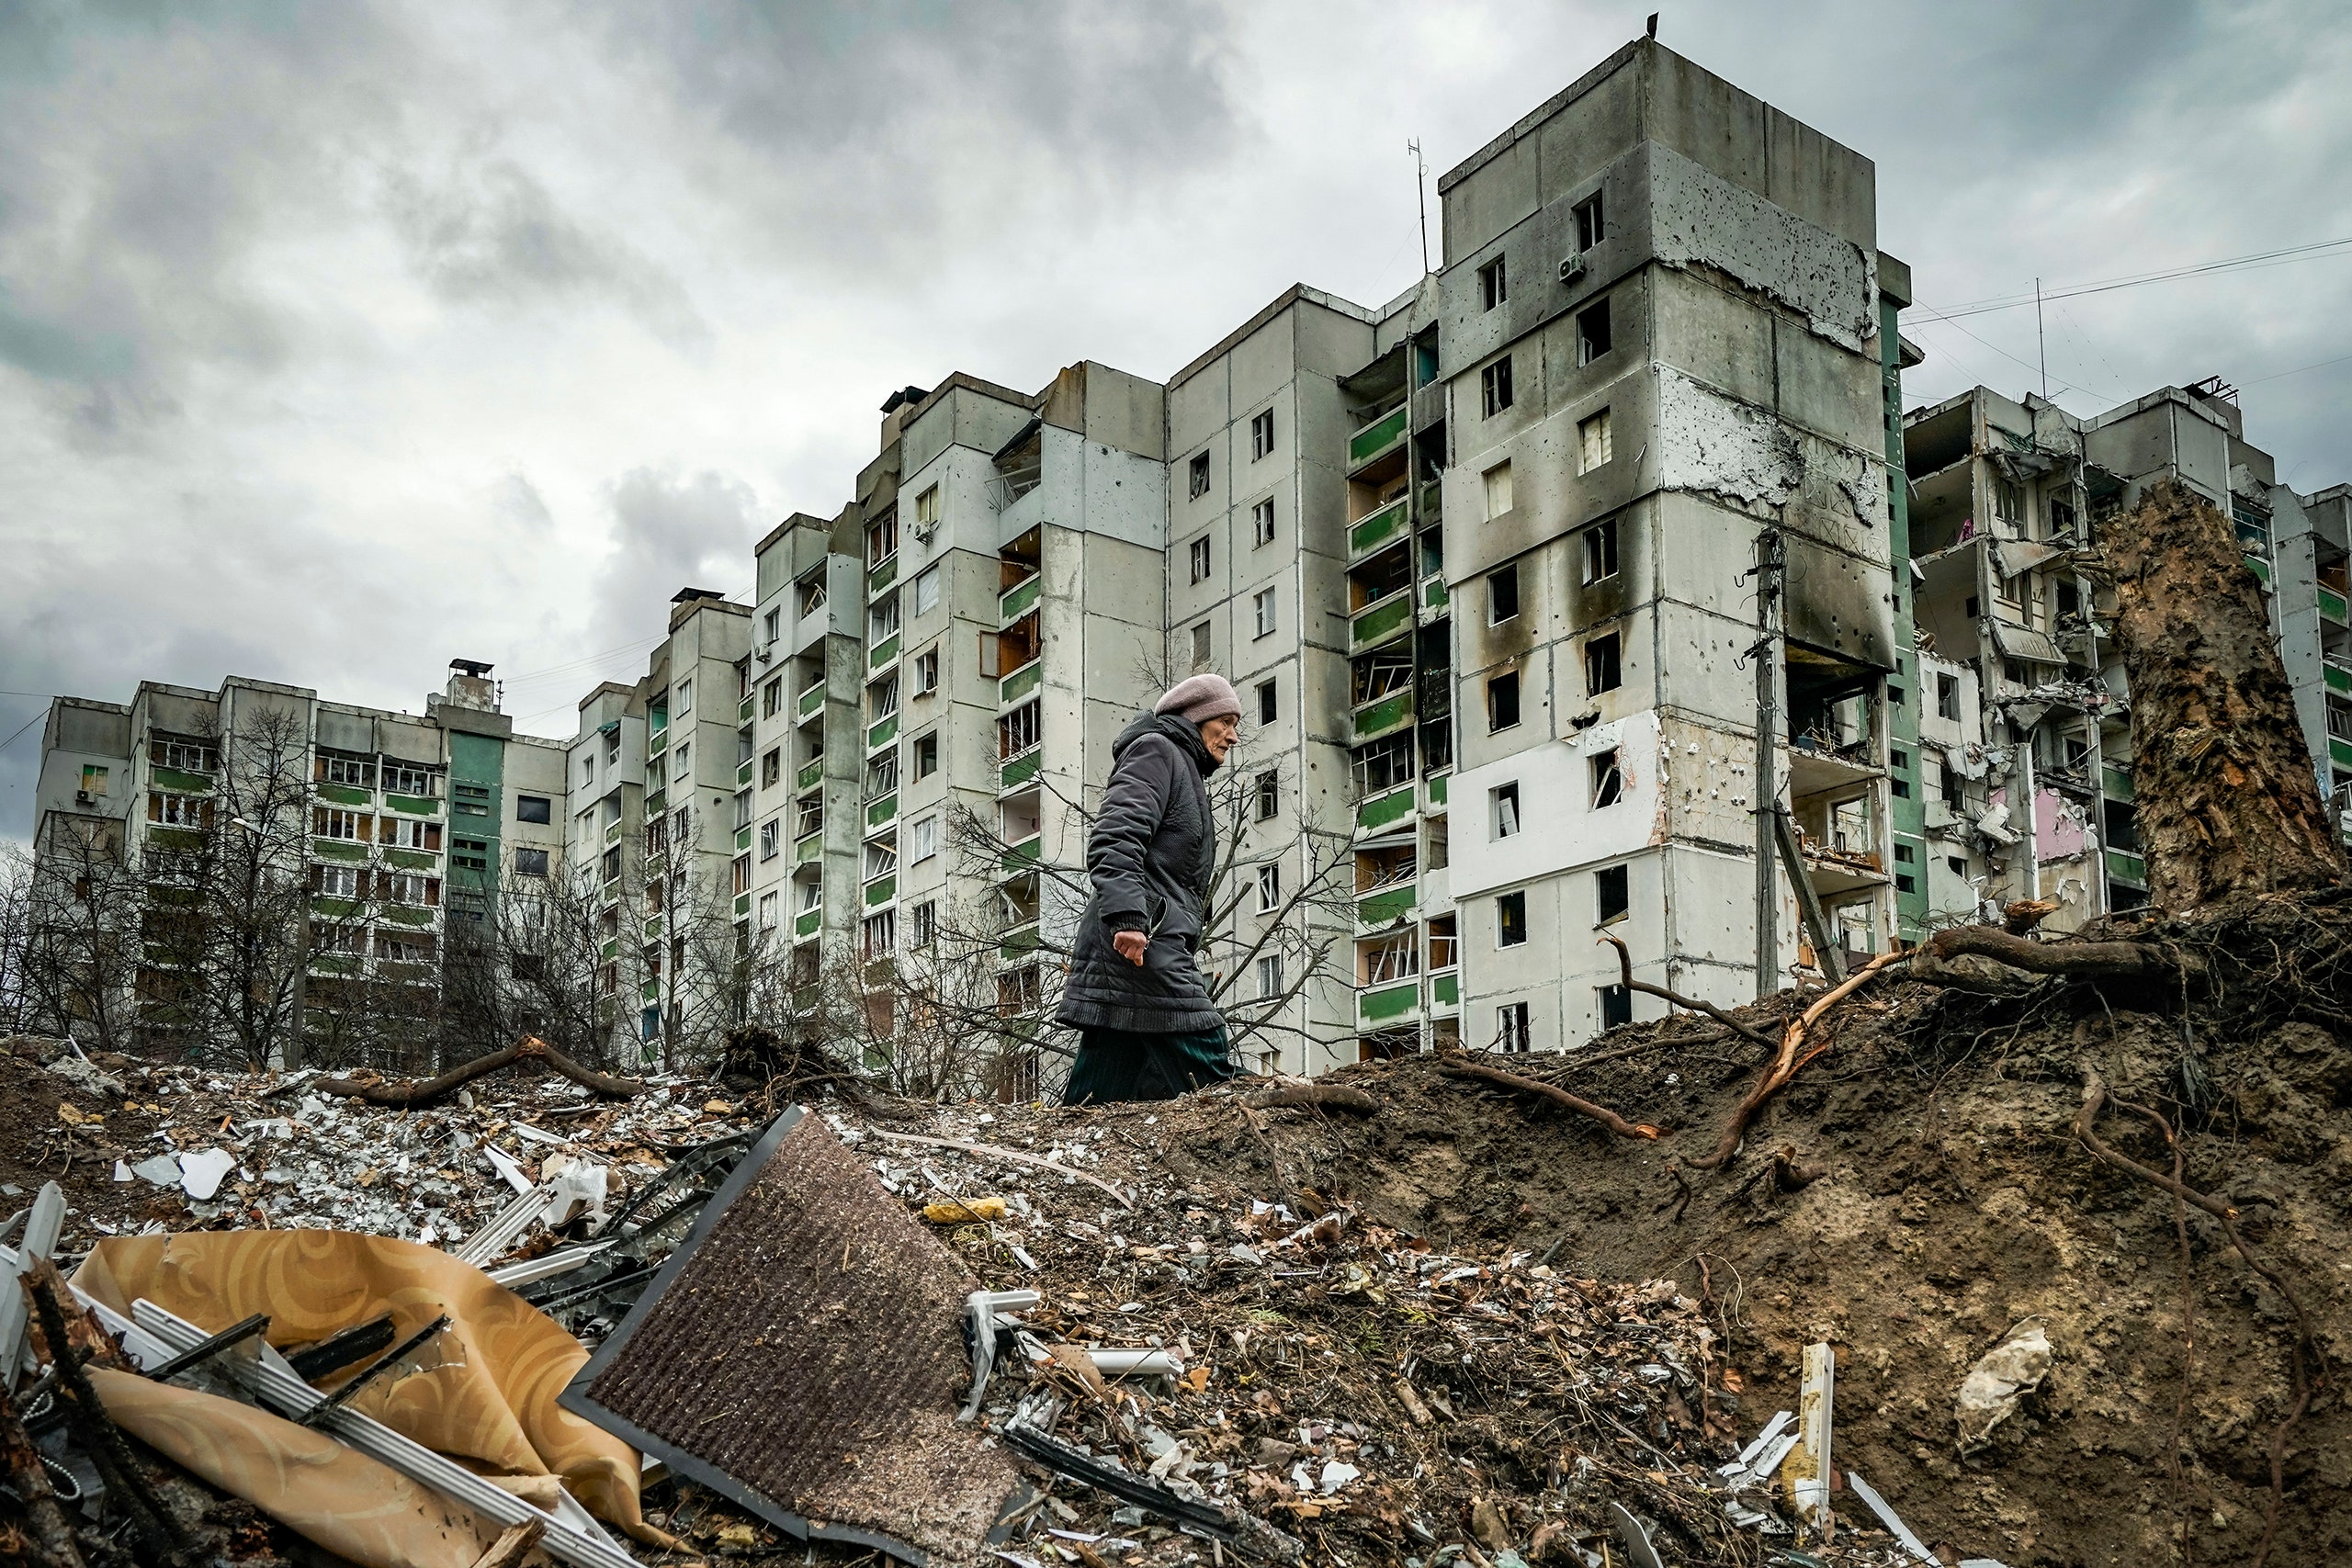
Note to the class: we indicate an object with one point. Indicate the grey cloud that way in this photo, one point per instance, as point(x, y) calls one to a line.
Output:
point(500, 239)
point(670, 532)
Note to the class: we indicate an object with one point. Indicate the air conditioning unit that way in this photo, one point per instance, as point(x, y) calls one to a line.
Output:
point(764, 653)
point(925, 534)
point(82, 798)
point(1572, 267)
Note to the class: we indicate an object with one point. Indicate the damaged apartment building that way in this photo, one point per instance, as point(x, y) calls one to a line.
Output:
point(2022, 691)
point(1595, 590)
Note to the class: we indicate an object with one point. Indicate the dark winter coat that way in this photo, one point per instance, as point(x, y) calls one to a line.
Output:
point(1151, 858)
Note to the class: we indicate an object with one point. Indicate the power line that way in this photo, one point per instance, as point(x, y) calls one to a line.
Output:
point(2317, 250)
point(22, 727)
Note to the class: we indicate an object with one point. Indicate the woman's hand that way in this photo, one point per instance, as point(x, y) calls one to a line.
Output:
point(1130, 946)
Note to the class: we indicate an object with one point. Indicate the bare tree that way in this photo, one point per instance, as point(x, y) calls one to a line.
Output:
point(82, 933)
point(16, 939)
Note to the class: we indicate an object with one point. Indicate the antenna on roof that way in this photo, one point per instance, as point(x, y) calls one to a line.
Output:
point(1421, 192)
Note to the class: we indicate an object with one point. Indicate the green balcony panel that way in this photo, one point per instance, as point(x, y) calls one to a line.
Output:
point(1019, 770)
point(1022, 682)
point(656, 803)
point(2126, 867)
point(612, 948)
point(810, 701)
point(811, 774)
point(1389, 806)
point(411, 860)
point(742, 903)
point(402, 914)
point(333, 965)
point(881, 577)
point(1436, 783)
point(652, 928)
point(1374, 529)
point(742, 837)
point(884, 651)
point(2337, 677)
point(1385, 906)
point(612, 832)
point(1433, 594)
point(1392, 712)
point(812, 847)
point(2331, 604)
point(414, 805)
point(1393, 616)
point(1015, 602)
point(657, 744)
point(806, 922)
point(2339, 752)
point(881, 892)
point(651, 991)
point(1377, 437)
point(1018, 943)
point(1023, 855)
point(202, 784)
point(2260, 569)
point(334, 908)
point(1445, 990)
point(743, 712)
point(882, 811)
point(743, 772)
point(2118, 783)
point(1388, 1002)
point(883, 732)
point(333, 848)
point(187, 839)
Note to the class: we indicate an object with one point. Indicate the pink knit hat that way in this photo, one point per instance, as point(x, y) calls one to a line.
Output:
point(1200, 698)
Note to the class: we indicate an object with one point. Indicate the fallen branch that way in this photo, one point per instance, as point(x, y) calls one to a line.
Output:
point(1017, 1157)
point(2094, 1098)
point(1600, 1113)
point(1327, 1095)
point(414, 1096)
point(1786, 1063)
point(1693, 1004)
point(1936, 961)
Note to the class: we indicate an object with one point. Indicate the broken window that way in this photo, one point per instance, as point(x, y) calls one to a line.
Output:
point(185, 756)
point(1266, 707)
point(882, 538)
point(926, 672)
point(812, 594)
point(881, 934)
point(1382, 765)
point(772, 768)
point(1590, 228)
point(1608, 783)
point(1616, 1006)
point(922, 839)
point(1262, 434)
point(354, 773)
point(1612, 897)
point(1270, 887)
point(927, 509)
point(1947, 696)
point(1270, 976)
point(882, 776)
point(1600, 551)
point(1502, 595)
point(882, 619)
point(1594, 446)
point(927, 590)
point(882, 698)
point(808, 816)
point(926, 923)
point(1593, 332)
point(1018, 731)
point(1601, 665)
point(1510, 920)
point(1375, 675)
point(1494, 286)
point(1262, 608)
point(1498, 494)
point(407, 835)
point(927, 755)
point(1200, 646)
point(770, 838)
point(1502, 802)
point(1494, 387)
point(1267, 795)
point(349, 826)
point(1510, 1027)
point(534, 809)
point(1261, 521)
point(423, 782)
point(1197, 476)
point(94, 780)
point(2008, 501)
point(881, 856)
point(1502, 702)
point(530, 862)
point(1196, 556)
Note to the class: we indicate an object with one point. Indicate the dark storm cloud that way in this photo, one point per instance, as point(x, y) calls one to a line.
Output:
point(672, 531)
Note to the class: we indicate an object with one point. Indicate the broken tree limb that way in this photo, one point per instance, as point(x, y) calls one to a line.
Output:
point(1938, 961)
point(1785, 1064)
point(1600, 1113)
point(1324, 1095)
point(997, 1151)
point(1693, 1004)
point(2227, 797)
point(414, 1096)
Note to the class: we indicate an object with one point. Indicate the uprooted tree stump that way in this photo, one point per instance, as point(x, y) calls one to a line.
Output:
point(2228, 799)
point(530, 1048)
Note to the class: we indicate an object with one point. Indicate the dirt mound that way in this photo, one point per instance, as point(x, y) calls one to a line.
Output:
point(1956, 1205)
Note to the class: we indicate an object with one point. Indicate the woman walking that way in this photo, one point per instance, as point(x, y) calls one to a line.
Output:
point(1148, 1029)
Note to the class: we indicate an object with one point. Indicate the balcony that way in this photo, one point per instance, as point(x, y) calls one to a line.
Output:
point(811, 773)
point(810, 702)
point(1374, 440)
point(1380, 621)
point(612, 832)
point(1386, 906)
point(412, 804)
point(881, 890)
point(1445, 990)
point(881, 732)
point(333, 794)
point(2116, 783)
point(1021, 683)
point(882, 577)
point(743, 713)
point(2332, 606)
point(1433, 788)
point(657, 801)
point(808, 922)
point(1018, 771)
point(742, 838)
point(2337, 674)
point(1019, 943)
point(1369, 532)
point(1434, 600)
point(743, 772)
point(883, 653)
point(1377, 811)
point(2124, 866)
point(1389, 1004)
point(1021, 858)
point(2339, 752)
point(1017, 599)
point(2260, 569)
point(1385, 715)
point(809, 850)
point(883, 810)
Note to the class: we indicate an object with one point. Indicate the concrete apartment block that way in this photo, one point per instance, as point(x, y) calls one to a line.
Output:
point(1658, 330)
point(402, 828)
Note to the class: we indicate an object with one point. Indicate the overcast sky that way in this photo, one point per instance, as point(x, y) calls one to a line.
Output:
point(339, 340)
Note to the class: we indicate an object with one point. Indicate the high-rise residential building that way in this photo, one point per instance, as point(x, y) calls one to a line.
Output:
point(256, 869)
point(2023, 688)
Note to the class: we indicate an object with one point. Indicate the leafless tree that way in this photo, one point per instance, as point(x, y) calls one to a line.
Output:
point(16, 939)
point(79, 958)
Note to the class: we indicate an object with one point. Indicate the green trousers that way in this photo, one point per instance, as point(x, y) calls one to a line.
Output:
point(1118, 1064)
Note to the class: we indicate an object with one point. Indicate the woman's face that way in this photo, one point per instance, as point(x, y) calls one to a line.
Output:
point(1219, 735)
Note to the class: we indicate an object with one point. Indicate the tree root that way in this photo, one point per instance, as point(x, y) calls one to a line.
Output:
point(1943, 960)
point(1786, 1062)
point(1693, 1004)
point(2094, 1098)
point(414, 1096)
point(1600, 1113)
point(1327, 1096)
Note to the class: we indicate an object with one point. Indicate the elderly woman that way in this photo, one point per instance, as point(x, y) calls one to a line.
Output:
point(1148, 1027)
